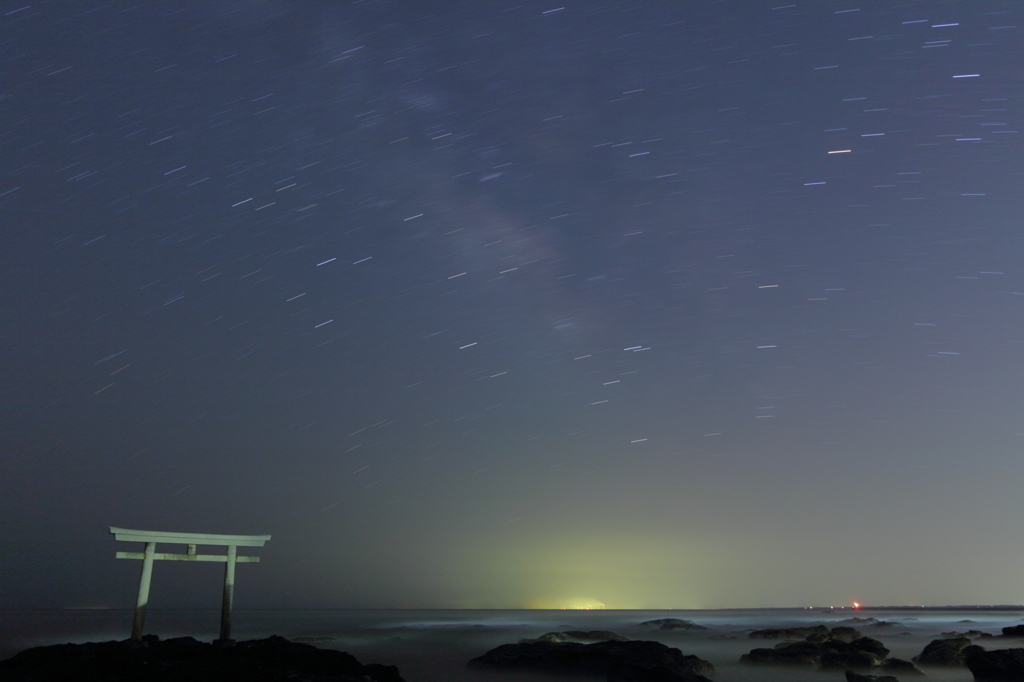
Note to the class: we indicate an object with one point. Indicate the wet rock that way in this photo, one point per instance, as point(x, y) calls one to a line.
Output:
point(802, 654)
point(1001, 665)
point(845, 634)
point(623, 659)
point(577, 637)
point(1014, 631)
point(851, 659)
point(831, 654)
point(791, 633)
point(852, 676)
point(635, 672)
point(970, 634)
point(672, 624)
point(897, 666)
point(857, 677)
point(184, 658)
point(872, 646)
point(944, 652)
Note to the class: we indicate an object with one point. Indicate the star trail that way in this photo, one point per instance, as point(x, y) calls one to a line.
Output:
point(486, 304)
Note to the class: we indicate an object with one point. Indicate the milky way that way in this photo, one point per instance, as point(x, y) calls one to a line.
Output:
point(486, 304)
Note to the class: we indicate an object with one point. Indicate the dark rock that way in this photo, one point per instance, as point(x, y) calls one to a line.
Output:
point(872, 646)
point(857, 677)
point(851, 659)
point(577, 637)
point(184, 658)
point(897, 666)
point(830, 654)
point(805, 654)
point(672, 624)
point(178, 642)
point(1001, 665)
point(970, 634)
point(810, 659)
point(636, 672)
point(596, 659)
point(845, 634)
point(944, 652)
point(378, 672)
point(791, 633)
point(1014, 631)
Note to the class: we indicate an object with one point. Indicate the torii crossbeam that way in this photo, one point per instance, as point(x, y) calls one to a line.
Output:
point(151, 537)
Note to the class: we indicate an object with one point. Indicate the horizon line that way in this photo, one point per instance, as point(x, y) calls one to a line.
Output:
point(862, 607)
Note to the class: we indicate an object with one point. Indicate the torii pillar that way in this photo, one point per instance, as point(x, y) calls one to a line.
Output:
point(151, 537)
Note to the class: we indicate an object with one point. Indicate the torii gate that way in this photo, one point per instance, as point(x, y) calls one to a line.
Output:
point(151, 537)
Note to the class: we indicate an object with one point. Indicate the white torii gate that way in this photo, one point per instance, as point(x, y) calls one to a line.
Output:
point(151, 537)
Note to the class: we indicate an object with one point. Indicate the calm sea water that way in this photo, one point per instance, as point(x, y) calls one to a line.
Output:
point(434, 645)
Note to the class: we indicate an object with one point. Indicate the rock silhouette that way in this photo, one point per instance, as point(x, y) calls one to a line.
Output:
point(577, 637)
point(848, 651)
point(897, 666)
point(857, 677)
point(629, 661)
point(947, 653)
point(184, 658)
point(1000, 665)
point(672, 624)
point(810, 633)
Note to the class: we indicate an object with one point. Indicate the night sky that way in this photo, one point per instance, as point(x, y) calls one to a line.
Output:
point(476, 303)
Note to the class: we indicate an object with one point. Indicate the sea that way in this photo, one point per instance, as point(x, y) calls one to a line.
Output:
point(435, 645)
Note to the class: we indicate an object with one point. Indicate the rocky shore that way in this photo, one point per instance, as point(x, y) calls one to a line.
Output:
point(596, 654)
point(274, 659)
point(428, 654)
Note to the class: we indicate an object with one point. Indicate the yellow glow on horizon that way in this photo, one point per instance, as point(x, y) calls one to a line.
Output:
point(613, 569)
point(570, 604)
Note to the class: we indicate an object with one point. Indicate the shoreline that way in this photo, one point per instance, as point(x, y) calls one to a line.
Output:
point(435, 645)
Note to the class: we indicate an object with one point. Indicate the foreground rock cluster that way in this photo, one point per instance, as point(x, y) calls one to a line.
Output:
point(596, 653)
point(844, 648)
point(944, 653)
point(184, 658)
point(672, 624)
point(577, 637)
point(615, 659)
point(1002, 665)
point(841, 648)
